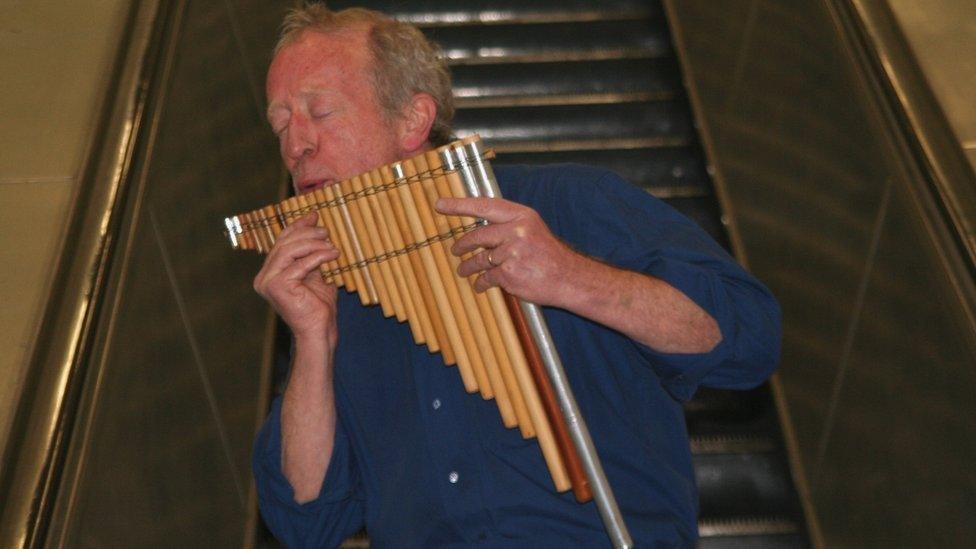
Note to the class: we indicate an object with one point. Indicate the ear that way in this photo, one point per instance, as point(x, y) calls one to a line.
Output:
point(416, 120)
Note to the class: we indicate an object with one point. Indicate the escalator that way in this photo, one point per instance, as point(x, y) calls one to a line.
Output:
point(599, 83)
point(130, 423)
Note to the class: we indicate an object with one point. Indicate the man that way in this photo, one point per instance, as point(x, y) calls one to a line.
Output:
point(373, 430)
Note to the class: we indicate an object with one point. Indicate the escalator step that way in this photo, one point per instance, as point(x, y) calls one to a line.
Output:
point(743, 484)
point(732, 444)
point(450, 12)
point(551, 42)
point(654, 122)
point(746, 526)
point(617, 77)
point(716, 413)
point(759, 533)
point(758, 541)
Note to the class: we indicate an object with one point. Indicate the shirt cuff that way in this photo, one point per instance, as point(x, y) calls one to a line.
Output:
point(681, 373)
point(271, 481)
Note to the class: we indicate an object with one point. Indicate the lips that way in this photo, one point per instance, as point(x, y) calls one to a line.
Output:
point(309, 185)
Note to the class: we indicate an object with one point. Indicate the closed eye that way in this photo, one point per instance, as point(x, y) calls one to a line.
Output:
point(279, 119)
point(279, 125)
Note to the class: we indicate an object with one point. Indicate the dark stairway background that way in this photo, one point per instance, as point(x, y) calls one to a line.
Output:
point(597, 82)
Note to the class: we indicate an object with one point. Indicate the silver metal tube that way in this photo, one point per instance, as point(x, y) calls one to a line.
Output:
point(613, 520)
point(463, 165)
point(231, 232)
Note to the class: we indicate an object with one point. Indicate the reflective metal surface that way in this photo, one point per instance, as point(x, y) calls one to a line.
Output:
point(180, 373)
point(137, 426)
point(926, 57)
point(34, 451)
point(836, 216)
point(944, 43)
point(45, 134)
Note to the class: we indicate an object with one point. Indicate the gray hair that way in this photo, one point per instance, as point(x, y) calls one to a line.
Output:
point(404, 61)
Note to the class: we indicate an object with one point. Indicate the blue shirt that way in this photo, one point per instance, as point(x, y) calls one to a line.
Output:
point(422, 463)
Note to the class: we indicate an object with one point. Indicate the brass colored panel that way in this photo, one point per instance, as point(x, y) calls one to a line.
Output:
point(944, 43)
point(921, 104)
point(31, 227)
point(34, 453)
point(57, 60)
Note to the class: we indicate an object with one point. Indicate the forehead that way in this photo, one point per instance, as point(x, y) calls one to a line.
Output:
point(317, 60)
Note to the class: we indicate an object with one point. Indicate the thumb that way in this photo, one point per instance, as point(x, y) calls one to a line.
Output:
point(309, 220)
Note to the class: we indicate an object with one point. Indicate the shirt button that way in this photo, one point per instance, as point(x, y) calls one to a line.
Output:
point(436, 404)
point(453, 477)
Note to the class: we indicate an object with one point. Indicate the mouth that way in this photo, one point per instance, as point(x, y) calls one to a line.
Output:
point(309, 185)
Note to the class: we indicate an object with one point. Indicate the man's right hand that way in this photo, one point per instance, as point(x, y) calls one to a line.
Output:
point(291, 282)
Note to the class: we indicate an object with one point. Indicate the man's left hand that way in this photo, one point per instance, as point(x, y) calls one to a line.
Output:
point(518, 251)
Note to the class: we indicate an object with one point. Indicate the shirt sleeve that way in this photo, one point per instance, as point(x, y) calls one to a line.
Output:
point(338, 511)
point(627, 227)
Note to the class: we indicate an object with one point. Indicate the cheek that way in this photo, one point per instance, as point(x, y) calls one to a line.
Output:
point(282, 152)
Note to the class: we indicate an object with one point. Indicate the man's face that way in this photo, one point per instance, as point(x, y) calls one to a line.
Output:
point(322, 107)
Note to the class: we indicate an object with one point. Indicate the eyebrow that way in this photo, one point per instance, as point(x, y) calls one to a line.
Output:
point(306, 95)
point(271, 108)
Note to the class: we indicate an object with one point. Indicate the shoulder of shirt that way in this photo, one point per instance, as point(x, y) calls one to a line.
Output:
point(520, 182)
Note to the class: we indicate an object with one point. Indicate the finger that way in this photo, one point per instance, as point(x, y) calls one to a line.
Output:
point(489, 236)
point(314, 234)
point(485, 281)
point(308, 220)
point(495, 210)
point(301, 232)
point(282, 257)
point(301, 268)
point(479, 262)
point(296, 249)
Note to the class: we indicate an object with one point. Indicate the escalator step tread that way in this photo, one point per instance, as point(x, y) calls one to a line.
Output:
point(641, 120)
point(552, 41)
point(755, 541)
point(731, 485)
point(714, 413)
point(450, 12)
point(720, 401)
point(747, 525)
point(745, 425)
point(612, 77)
point(725, 443)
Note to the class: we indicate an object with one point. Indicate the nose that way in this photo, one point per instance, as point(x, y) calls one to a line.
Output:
point(300, 139)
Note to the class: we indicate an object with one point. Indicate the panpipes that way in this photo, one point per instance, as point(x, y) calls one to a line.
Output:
point(395, 252)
